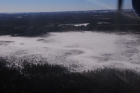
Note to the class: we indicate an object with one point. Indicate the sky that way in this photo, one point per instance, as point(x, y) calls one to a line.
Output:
point(59, 5)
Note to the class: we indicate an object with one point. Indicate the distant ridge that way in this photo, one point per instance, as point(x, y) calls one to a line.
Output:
point(109, 10)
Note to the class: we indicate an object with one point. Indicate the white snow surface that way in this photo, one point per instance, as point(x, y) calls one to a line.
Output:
point(79, 51)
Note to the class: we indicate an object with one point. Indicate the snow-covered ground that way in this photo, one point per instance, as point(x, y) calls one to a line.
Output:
point(78, 51)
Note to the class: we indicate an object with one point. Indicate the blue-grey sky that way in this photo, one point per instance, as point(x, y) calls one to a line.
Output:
point(58, 5)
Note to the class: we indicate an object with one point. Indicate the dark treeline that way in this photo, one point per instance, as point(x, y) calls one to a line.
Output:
point(32, 24)
point(57, 79)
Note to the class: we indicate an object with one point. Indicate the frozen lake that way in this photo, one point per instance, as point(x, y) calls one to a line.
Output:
point(78, 51)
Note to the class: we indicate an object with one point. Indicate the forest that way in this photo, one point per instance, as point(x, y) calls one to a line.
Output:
point(34, 24)
point(57, 79)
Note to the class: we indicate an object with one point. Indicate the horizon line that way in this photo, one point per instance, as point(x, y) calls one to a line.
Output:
point(64, 11)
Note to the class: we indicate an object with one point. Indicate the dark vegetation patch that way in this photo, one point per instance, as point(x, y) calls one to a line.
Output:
point(46, 41)
point(5, 42)
point(57, 79)
point(40, 39)
point(74, 52)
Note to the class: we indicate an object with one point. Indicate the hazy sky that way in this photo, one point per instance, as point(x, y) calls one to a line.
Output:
point(58, 5)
